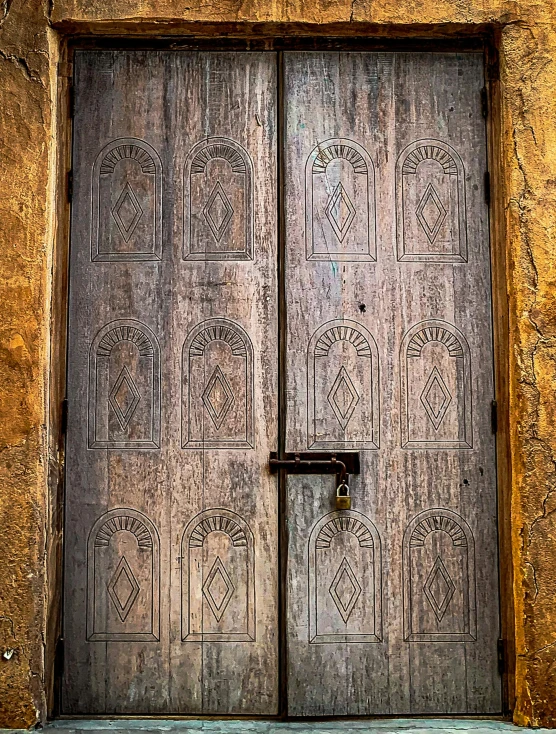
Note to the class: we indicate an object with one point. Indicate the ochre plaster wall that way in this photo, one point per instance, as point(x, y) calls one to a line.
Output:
point(31, 34)
point(25, 244)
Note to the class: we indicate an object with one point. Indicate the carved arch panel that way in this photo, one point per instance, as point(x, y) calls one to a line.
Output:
point(218, 578)
point(439, 578)
point(124, 387)
point(340, 218)
point(345, 579)
point(127, 202)
point(218, 202)
point(343, 387)
point(217, 387)
point(123, 578)
point(430, 203)
point(436, 396)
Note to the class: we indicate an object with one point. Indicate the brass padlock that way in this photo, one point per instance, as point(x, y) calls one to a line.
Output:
point(343, 500)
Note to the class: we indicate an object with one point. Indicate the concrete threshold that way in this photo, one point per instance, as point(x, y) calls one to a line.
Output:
point(251, 726)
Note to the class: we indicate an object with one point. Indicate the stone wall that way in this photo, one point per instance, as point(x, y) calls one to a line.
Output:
point(32, 32)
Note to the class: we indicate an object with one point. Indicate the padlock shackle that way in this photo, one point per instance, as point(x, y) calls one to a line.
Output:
point(340, 486)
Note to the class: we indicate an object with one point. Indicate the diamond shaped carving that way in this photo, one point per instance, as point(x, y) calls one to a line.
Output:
point(340, 212)
point(218, 589)
point(218, 211)
point(123, 589)
point(436, 398)
point(218, 397)
point(343, 397)
point(345, 590)
point(124, 398)
point(127, 212)
point(439, 589)
point(431, 213)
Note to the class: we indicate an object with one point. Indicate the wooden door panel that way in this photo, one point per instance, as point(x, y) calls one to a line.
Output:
point(390, 353)
point(343, 408)
point(170, 571)
point(127, 202)
point(345, 579)
point(340, 202)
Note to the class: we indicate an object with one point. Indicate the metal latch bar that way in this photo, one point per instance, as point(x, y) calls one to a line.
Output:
point(341, 463)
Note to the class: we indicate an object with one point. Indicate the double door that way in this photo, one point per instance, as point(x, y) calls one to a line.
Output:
point(180, 550)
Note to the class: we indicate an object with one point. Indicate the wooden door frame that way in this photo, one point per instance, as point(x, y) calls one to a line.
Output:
point(330, 38)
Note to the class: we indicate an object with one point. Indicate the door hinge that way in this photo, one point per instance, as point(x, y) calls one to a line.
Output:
point(487, 188)
point(494, 416)
point(484, 102)
point(70, 186)
point(59, 658)
point(64, 417)
point(501, 656)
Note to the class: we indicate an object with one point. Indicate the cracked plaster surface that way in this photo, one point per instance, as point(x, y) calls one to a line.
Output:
point(30, 34)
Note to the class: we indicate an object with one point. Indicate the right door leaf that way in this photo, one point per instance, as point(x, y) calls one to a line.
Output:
point(390, 353)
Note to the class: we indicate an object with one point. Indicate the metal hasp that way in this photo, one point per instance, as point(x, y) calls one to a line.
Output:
point(341, 463)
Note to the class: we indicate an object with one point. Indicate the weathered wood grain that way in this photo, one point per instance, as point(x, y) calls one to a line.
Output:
point(171, 546)
point(171, 519)
point(390, 352)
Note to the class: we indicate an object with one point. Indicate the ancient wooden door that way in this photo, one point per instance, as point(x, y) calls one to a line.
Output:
point(172, 517)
